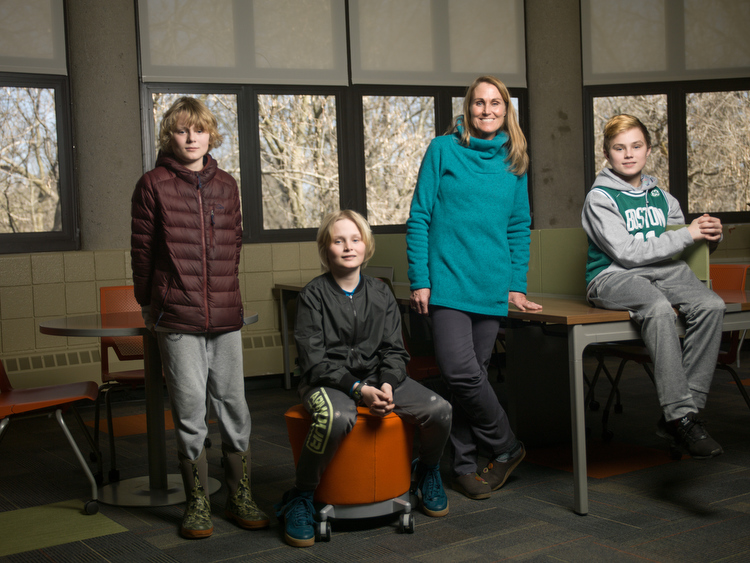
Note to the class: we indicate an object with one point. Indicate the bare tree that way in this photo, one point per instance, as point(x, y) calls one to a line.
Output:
point(299, 159)
point(29, 166)
point(718, 128)
point(397, 132)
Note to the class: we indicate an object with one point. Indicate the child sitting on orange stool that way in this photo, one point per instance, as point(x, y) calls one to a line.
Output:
point(348, 334)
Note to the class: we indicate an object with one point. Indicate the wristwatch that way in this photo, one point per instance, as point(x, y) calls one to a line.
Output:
point(357, 391)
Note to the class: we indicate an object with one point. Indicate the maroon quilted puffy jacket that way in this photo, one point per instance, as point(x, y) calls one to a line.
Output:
point(186, 239)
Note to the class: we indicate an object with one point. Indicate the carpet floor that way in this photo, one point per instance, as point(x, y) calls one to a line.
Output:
point(644, 506)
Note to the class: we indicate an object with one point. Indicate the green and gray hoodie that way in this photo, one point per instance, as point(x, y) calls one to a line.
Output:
point(626, 226)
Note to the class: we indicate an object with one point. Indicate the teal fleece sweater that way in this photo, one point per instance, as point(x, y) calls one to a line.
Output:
point(468, 234)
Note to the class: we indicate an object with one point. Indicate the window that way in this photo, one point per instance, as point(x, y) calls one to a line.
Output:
point(336, 99)
point(299, 165)
point(36, 190)
point(718, 151)
point(701, 149)
point(299, 152)
point(397, 130)
point(37, 195)
point(652, 111)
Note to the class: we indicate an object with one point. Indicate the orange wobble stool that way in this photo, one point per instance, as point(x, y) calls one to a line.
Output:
point(370, 475)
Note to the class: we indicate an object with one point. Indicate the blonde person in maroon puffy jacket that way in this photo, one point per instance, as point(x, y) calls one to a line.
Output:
point(185, 249)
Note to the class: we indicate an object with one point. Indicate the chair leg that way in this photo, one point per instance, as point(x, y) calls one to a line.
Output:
point(92, 507)
point(614, 392)
point(590, 400)
point(739, 346)
point(3, 425)
point(96, 453)
point(737, 381)
point(114, 473)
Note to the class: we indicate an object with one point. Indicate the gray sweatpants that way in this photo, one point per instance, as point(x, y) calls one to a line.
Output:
point(334, 414)
point(684, 372)
point(463, 348)
point(197, 366)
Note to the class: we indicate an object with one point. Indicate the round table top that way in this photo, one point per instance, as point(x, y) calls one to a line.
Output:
point(110, 324)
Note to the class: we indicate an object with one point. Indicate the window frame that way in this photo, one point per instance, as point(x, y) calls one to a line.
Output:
point(676, 93)
point(350, 139)
point(68, 238)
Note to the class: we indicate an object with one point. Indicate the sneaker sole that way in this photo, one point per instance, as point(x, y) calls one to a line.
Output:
point(679, 448)
point(195, 534)
point(294, 542)
point(247, 524)
point(459, 489)
point(434, 513)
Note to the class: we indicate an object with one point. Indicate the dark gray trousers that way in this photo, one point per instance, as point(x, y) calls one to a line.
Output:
point(463, 348)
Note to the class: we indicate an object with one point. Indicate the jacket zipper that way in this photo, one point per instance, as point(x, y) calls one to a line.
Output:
point(203, 257)
point(354, 332)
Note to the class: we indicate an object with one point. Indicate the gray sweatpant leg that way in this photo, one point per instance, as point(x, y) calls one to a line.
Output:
point(684, 372)
point(197, 366)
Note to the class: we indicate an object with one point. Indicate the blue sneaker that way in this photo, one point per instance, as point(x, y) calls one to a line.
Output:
point(297, 511)
point(428, 482)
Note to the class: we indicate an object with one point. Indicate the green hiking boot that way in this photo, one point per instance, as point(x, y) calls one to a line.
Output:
point(240, 505)
point(196, 521)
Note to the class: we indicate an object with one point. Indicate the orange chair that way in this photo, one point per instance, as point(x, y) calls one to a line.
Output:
point(369, 476)
point(730, 277)
point(17, 403)
point(117, 299)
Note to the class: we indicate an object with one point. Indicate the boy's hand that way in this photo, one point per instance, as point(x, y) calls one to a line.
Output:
point(379, 401)
point(705, 227)
point(519, 300)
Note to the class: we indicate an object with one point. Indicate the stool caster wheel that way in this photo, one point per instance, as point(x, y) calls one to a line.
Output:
point(323, 531)
point(594, 406)
point(91, 507)
point(618, 409)
point(406, 523)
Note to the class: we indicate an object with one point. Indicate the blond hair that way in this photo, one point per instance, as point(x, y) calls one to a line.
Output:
point(190, 112)
point(619, 124)
point(325, 235)
point(516, 144)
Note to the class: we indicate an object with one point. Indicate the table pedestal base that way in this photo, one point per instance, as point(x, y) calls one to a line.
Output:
point(136, 492)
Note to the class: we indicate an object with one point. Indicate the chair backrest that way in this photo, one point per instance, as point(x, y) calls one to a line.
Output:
point(5, 385)
point(119, 299)
point(382, 272)
point(729, 276)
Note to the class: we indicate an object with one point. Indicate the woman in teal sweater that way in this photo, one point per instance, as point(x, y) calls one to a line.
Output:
point(468, 248)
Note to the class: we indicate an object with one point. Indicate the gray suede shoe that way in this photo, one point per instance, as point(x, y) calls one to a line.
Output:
point(499, 469)
point(472, 486)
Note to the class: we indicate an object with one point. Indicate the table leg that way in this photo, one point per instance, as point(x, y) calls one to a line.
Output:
point(578, 421)
point(285, 340)
point(158, 488)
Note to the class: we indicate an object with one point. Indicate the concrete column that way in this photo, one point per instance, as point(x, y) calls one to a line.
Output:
point(553, 58)
point(103, 64)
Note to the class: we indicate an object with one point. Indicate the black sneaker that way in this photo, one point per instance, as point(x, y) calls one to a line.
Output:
point(689, 434)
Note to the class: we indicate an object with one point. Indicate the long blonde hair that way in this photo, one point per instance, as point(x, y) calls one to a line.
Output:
point(517, 155)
